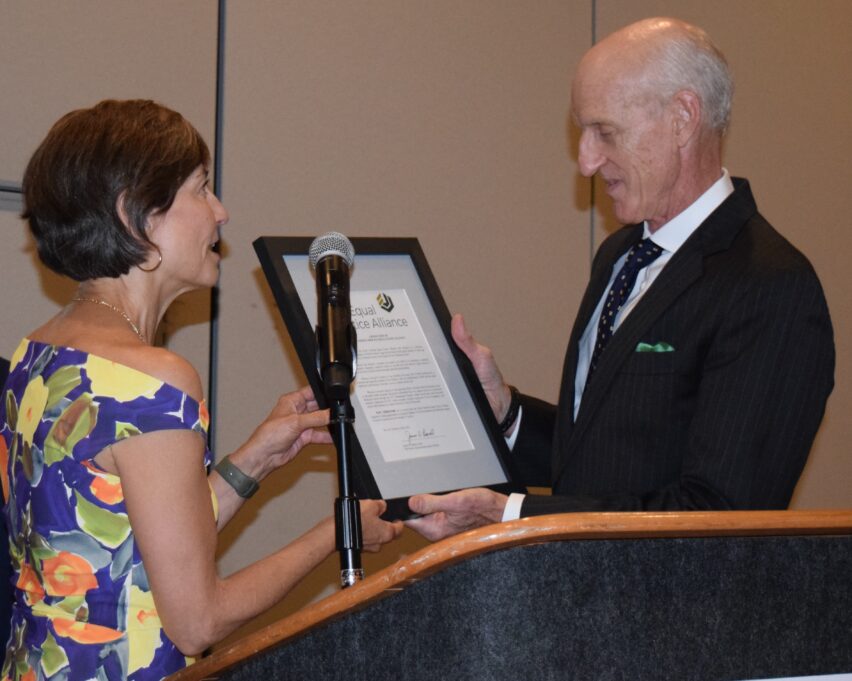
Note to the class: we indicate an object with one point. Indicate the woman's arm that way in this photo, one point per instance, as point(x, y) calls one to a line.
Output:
point(168, 501)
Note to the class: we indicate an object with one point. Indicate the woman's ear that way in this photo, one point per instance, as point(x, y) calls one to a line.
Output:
point(121, 209)
point(155, 255)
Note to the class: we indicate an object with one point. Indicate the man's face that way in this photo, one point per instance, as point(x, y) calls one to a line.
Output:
point(628, 138)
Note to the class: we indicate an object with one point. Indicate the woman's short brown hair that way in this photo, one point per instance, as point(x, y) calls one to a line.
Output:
point(135, 153)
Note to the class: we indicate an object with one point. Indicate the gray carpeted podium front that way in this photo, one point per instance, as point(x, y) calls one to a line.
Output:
point(603, 603)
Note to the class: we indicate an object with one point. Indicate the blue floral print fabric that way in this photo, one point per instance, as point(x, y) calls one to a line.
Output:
point(83, 608)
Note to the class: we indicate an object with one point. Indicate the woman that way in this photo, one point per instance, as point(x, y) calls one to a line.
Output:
point(112, 516)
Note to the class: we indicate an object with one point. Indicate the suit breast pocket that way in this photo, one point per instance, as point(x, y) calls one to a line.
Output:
point(650, 363)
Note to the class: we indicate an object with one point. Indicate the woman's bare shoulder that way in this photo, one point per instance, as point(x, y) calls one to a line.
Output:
point(167, 366)
point(116, 345)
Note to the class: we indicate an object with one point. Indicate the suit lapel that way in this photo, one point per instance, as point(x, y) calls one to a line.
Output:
point(680, 272)
point(601, 274)
point(685, 267)
point(602, 267)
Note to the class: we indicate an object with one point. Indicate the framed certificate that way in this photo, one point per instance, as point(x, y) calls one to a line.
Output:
point(422, 421)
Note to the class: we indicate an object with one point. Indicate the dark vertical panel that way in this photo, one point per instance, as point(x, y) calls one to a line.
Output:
point(217, 189)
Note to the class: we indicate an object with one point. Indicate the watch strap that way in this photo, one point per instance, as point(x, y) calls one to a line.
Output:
point(243, 484)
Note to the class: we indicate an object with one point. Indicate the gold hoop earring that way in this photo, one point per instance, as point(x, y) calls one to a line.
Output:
point(159, 262)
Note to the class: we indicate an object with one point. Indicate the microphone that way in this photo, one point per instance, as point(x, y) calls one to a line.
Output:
point(331, 257)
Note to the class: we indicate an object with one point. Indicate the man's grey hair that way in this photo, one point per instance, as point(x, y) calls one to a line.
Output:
point(688, 60)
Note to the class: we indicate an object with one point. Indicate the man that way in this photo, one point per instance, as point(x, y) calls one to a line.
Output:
point(701, 384)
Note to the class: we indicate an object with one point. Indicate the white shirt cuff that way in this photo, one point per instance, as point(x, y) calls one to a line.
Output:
point(512, 511)
point(510, 441)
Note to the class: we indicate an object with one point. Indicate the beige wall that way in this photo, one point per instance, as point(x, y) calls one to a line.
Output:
point(59, 56)
point(446, 121)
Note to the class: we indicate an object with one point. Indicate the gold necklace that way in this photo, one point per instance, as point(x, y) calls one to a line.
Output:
point(98, 301)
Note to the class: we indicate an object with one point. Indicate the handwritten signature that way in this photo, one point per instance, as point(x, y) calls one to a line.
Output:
point(422, 434)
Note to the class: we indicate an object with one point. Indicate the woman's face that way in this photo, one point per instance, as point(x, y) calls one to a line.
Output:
point(187, 232)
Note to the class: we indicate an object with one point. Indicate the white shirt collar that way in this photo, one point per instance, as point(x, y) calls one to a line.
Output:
point(676, 231)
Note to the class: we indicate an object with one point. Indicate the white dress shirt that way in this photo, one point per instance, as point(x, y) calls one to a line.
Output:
point(670, 237)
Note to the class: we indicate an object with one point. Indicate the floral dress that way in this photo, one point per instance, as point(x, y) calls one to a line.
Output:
point(82, 608)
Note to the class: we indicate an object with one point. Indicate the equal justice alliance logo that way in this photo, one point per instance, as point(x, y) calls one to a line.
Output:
point(385, 302)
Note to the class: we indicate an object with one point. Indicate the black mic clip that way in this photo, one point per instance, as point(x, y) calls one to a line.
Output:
point(336, 377)
point(341, 412)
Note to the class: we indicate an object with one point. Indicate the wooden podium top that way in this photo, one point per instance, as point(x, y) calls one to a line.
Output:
point(575, 526)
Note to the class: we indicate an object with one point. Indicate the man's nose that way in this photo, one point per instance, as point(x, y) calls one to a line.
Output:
point(589, 158)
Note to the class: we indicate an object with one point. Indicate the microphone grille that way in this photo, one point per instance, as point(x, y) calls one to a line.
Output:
point(331, 243)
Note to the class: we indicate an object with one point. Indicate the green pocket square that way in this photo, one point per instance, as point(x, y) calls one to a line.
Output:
point(659, 347)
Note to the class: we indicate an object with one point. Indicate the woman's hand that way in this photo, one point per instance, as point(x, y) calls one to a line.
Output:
point(374, 530)
point(292, 424)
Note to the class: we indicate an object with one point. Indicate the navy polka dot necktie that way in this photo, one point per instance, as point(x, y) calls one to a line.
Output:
point(641, 255)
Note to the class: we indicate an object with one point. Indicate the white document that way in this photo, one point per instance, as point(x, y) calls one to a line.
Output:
point(398, 385)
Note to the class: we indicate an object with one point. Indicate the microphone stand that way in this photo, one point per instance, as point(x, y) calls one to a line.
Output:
point(331, 256)
point(347, 512)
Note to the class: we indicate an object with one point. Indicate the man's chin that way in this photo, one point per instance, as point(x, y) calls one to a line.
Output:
point(624, 215)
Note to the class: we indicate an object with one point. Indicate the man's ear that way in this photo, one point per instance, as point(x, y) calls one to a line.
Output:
point(686, 107)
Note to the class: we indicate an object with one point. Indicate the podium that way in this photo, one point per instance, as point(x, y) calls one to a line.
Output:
point(698, 595)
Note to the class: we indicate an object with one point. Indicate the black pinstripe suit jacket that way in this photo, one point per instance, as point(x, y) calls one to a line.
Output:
point(726, 419)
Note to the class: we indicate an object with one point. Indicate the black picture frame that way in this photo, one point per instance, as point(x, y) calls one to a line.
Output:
point(274, 252)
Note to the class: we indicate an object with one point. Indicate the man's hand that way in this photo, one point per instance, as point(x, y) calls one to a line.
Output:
point(449, 514)
point(496, 390)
